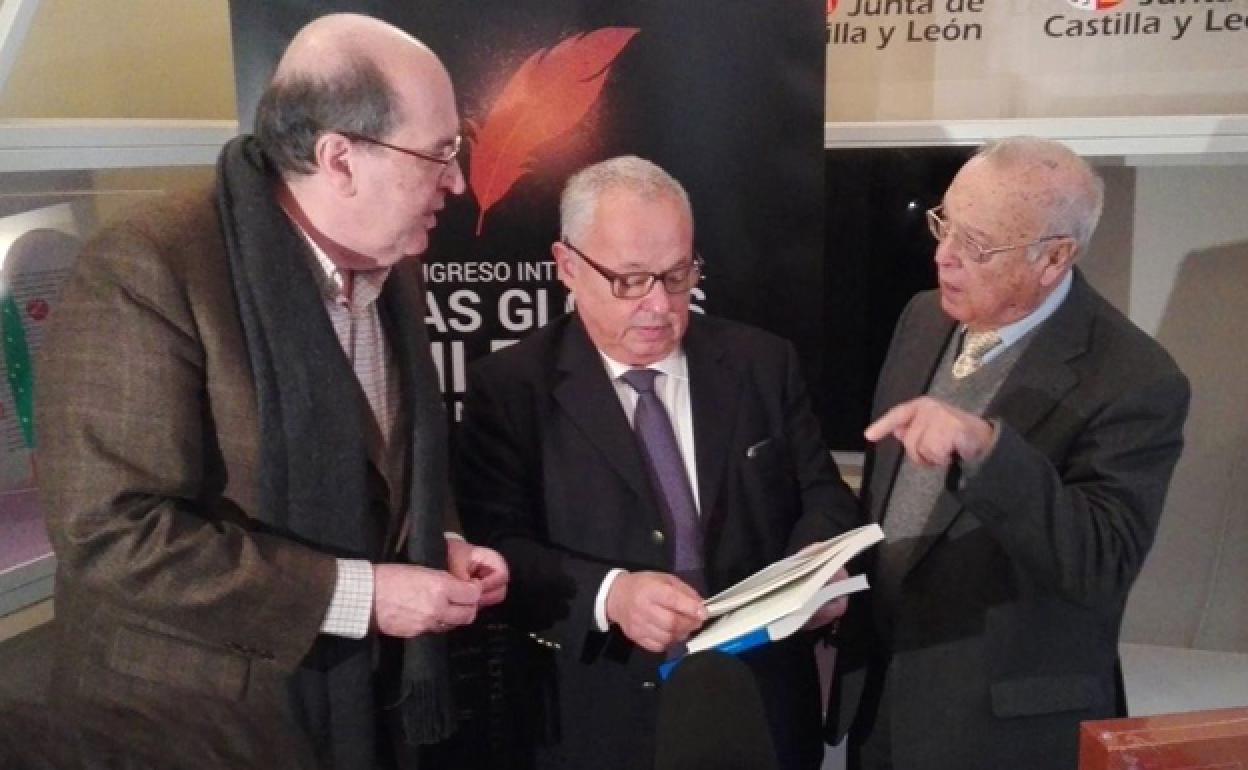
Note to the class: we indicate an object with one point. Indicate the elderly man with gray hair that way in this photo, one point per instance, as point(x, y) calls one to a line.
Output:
point(1024, 437)
point(632, 457)
point(243, 448)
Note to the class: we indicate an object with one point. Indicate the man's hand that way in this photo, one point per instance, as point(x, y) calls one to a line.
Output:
point(831, 611)
point(481, 566)
point(935, 433)
point(409, 600)
point(654, 610)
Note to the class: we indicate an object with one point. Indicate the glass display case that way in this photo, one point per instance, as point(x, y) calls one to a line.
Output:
point(45, 217)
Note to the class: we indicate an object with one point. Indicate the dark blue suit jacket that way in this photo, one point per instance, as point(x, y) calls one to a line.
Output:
point(551, 475)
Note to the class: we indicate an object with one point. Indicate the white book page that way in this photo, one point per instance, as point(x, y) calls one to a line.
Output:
point(751, 617)
point(793, 568)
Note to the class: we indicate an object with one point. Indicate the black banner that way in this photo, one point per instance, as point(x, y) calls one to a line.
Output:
point(727, 96)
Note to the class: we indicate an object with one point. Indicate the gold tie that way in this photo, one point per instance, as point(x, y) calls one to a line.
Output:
point(974, 348)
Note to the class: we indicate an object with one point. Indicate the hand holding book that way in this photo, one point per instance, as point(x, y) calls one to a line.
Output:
point(778, 600)
point(653, 609)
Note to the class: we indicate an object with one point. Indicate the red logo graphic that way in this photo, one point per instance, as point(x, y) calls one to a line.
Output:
point(37, 309)
point(550, 93)
point(1095, 5)
point(831, 7)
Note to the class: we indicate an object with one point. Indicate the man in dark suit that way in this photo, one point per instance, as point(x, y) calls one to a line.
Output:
point(1025, 434)
point(612, 539)
point(242, 454)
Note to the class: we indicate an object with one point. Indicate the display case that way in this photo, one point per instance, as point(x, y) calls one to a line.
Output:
point(60, 181)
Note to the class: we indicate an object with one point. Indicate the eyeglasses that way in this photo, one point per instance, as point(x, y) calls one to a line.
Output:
point(943, 229)
point(444, 157)
point(636, 285)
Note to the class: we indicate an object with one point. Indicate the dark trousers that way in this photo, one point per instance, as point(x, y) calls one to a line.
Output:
point(870, 739)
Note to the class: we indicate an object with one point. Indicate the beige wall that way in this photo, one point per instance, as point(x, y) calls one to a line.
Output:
point(1188, 275)
point(124, 59)
point(1018, 59)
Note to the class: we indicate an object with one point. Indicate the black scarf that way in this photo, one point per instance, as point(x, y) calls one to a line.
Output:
point(313, 466)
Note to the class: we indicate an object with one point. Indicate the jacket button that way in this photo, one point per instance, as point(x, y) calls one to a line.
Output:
point(657, 537)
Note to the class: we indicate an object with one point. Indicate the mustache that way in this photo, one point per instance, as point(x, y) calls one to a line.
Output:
point(652, 319)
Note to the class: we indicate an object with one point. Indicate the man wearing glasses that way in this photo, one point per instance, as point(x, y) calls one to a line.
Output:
point(243, 448)
point(1024, 437)
point(631, 458)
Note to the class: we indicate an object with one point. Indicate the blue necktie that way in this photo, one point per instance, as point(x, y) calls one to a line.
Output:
point(667, 469)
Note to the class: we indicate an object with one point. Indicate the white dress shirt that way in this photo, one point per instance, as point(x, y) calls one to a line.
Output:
point(357, 324)
point(1017, 330)
point(672, 388)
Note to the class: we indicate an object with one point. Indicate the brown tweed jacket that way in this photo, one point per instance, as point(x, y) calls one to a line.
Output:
point(171, 593)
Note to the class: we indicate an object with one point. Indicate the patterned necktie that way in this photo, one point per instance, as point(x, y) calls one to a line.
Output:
point(667, 469)
point(974, 348)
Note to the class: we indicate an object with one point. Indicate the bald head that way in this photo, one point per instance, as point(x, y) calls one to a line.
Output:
point(1012, 223)
point(321, 47)
point(1051, 180)
point(342, 72)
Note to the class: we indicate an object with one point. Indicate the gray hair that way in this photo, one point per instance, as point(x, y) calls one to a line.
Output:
point(1073, 193)
point(580, 196)
point(296, 109)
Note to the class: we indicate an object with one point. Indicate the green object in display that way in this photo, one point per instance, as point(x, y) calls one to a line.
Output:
point(19, 367)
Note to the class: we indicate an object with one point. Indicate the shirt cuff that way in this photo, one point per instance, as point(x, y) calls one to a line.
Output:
point(600, 602)
point(454, 536)
point(351, 607)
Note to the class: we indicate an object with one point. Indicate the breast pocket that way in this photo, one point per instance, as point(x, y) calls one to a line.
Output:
point(765, 455)
point(767, 475)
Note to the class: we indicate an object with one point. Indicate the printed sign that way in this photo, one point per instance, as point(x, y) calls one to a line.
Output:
point(975, 59)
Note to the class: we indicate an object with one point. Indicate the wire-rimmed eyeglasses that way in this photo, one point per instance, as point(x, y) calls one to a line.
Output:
point(635, 285)
point(964, 244)
point(444, 157)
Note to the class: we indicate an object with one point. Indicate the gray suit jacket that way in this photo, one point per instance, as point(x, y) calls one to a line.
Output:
point(171, 592)
point(1003, 634)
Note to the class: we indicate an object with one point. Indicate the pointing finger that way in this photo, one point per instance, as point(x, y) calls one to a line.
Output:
point(892, 420)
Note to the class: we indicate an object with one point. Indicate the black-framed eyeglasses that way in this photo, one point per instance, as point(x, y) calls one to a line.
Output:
point(448, 154)
point(943, 229)
point(635, 285)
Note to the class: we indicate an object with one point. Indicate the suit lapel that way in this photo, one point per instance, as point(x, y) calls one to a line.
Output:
point(1039, 380)
point(714, 392)
point(917, 356)
point(585, 394)
point(1043, 374)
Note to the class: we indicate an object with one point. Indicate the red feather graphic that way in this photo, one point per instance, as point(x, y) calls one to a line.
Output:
point(550, 93)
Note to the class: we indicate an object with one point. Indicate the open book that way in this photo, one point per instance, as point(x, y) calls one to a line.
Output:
point(779, 599)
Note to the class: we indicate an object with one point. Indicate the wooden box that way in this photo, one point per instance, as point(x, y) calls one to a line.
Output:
point(1199, 740)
